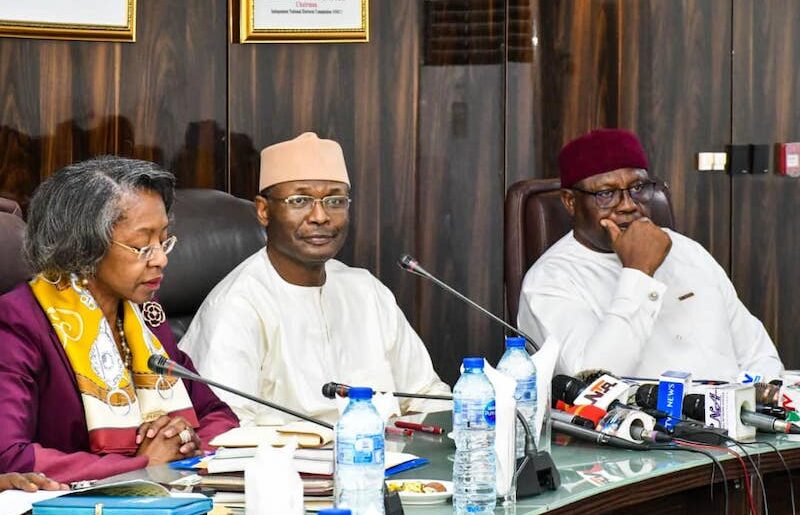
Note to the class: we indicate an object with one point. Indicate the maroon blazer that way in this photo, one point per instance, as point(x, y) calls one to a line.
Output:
point(42, 423)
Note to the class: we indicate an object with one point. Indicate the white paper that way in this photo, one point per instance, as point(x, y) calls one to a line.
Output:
point(505, 426)
point(545, 360)
point(17, 502)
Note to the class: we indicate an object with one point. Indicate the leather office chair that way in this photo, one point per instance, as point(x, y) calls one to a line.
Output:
point(535, 218)
point(216, 231)
point(12, 228)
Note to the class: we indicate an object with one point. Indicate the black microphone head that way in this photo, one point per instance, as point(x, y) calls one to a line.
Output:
point(566, 388)
point(407, 262)
point(329, 390)
point(694, 406)
point(591, 375)
point(157, 363)
point(647, 396)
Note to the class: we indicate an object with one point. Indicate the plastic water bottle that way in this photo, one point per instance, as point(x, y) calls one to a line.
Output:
point(517, 363)
point(474, 470)
point(359, 471)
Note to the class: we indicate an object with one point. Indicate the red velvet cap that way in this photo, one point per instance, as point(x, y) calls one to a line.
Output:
point(599, 151)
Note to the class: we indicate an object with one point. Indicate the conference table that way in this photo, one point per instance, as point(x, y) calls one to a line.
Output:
point(596, 480)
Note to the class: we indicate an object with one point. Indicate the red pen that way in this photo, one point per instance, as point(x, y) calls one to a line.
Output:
point(397, 431)
point(436, 430)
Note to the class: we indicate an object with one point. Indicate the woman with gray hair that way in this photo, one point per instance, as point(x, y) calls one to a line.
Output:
point(77, 400)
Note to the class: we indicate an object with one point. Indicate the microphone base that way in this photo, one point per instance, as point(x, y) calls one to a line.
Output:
point(391, 502)
point(538, 475)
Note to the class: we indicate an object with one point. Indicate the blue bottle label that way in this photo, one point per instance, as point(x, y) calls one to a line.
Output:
point(525, 391)
point(363, 449)
point(489, 413)
point(472, 413)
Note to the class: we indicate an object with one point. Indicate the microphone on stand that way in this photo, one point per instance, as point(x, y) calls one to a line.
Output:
point(167, 367)
point(409, 264)
point(331, 390)
point(541, 475)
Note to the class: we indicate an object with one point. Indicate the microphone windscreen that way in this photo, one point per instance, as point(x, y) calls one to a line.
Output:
point(768, 394)
point(407, 262)
point(591, 375)
point(157, 363)
point(329, 390)
point(694, 406)
point(647, 396)
point(566, 388)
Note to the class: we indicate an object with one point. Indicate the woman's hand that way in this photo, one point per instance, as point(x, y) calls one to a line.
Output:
point(29, 482)
point(167, 439)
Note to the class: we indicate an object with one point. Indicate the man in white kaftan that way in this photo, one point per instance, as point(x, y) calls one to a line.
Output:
point(624, 295)
point(290, 318)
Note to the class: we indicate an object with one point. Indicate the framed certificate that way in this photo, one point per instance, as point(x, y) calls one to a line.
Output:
point(300, 21)
point(99, 20)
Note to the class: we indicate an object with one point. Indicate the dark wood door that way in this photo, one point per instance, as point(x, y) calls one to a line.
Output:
point(766, 207)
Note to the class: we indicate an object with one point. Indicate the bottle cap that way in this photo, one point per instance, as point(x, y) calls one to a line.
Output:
point(515, 342)
point(473, 363)
point(335, 511)
point(360, 392)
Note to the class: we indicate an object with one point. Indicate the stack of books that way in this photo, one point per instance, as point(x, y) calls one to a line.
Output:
point(313, 459)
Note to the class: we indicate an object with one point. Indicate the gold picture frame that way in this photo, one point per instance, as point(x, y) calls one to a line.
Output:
point(293, 21)
point(88, 20)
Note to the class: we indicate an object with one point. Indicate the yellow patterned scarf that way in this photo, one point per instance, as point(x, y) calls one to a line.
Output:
point(114, 405)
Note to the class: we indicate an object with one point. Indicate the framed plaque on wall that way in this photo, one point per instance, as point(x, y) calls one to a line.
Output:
point(97, 20)
point(300, 21)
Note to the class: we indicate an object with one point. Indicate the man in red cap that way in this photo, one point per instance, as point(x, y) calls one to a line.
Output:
point(621, 293)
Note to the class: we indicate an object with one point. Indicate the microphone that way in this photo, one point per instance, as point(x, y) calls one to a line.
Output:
point(769, 394)
point(597, 437)
point(605, 392)
point(632, 425)
point(694, 406)
point(591, 413)
point(570, 418)
point(167, 367)
point(331, 390)
point(409, 264)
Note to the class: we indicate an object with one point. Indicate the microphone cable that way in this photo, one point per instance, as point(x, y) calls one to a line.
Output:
point(747, 485)
point(785, 467)
point(710, 456)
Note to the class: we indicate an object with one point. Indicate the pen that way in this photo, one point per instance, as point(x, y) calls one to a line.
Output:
point(419, 427)
point(398, 431)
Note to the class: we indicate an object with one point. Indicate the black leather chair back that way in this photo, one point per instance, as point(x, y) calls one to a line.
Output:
point(13, 269)
point(535, 218)
point(216, 231)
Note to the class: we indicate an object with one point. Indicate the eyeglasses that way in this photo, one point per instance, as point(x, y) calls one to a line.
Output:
point(331, 203)
point(146, 253)
point(641, 193)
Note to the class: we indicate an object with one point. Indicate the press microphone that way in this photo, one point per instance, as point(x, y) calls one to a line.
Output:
point(694, 406)
point(632, 425)
point(605, 392)
point(571, 419)
point(591, 413)
point(167, 367)
point(331, 390)
point(409, 264)
point(597, 437)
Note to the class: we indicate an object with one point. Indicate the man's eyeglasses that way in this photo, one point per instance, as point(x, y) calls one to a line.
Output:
point(331, 203)
point(641, 193)
point(146, 253)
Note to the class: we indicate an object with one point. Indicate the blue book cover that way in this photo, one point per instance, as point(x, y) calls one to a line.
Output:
point(88, 505)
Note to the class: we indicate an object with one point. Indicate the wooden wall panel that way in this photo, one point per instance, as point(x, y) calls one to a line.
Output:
point(162, 98)
point(647, 66)
point(766, 237)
